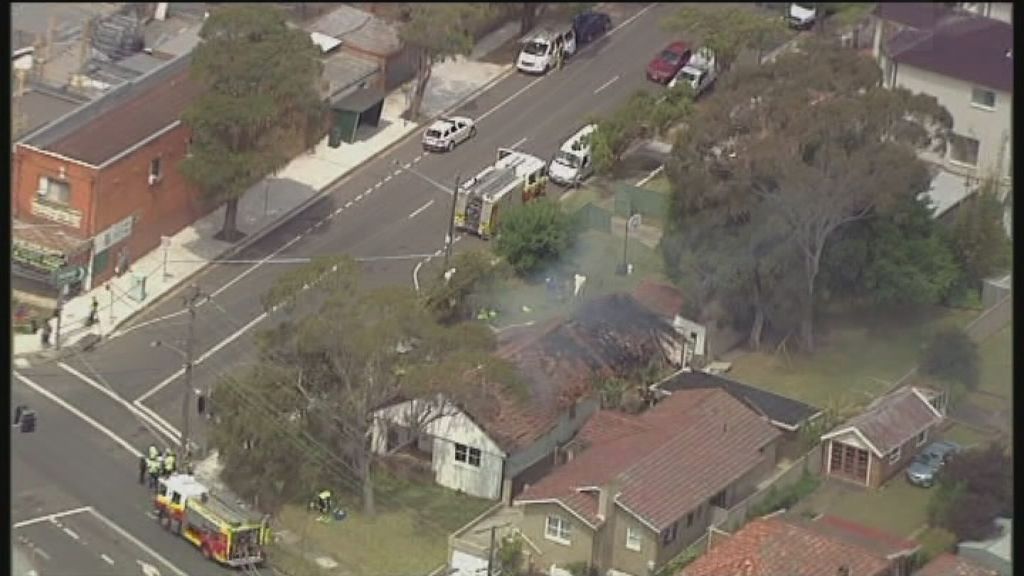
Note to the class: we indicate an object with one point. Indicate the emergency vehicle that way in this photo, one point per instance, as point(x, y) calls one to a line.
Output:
point(516, 178)
point(225, 534)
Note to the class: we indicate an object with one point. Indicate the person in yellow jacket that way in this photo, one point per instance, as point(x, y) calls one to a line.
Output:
point(169, 463)
point(154, 472)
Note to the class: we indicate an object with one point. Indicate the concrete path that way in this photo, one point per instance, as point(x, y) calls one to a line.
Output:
point(261, 208)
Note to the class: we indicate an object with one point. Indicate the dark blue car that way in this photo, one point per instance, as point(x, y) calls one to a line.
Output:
point(589, 25)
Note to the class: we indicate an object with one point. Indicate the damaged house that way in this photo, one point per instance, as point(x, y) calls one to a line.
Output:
point(493, 449)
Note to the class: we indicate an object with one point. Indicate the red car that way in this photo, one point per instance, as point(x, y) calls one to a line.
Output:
point(668, 62)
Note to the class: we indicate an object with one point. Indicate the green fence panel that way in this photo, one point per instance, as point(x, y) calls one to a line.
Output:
point(635, 200)
point(594, 218)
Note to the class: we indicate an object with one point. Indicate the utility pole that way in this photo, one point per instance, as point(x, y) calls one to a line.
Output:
point(186, 401)
point(450, 239)
point(490, 554)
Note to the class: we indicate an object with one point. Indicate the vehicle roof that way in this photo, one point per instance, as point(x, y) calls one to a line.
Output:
point(587, 130)
point(441, 123)
point(678, 47)
point(185, 485)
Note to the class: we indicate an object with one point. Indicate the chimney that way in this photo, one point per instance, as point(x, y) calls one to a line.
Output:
point(606, 499)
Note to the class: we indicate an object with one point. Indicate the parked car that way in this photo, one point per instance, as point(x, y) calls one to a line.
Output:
point(925, 467)
point(540, 50)
point(590, 25)
point(668, 62)
point(801, 16)
point(446, 133)
point(572, 163)
point(700, 73)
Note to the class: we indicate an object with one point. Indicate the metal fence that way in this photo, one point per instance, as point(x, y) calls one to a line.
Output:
point(631, 200)
point(592, 217)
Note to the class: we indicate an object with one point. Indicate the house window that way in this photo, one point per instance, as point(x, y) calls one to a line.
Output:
point(633, 538)
point(55, 191)
point(894, 456)
point(154, 170)
point(922, 437)
point(467, 455)
point(557, 529)
point(668, 535)
point(718, 499)
point(689, 519)
point(983, 97)
point(963, 150)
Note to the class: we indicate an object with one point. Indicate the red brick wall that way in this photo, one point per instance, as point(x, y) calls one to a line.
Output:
point(30, 165)
point(161, 209)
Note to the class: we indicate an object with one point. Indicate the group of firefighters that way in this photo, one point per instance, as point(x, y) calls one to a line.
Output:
point(156, 465)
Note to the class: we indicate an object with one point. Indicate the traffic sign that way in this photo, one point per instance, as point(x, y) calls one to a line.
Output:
point(69, 275)
point(634, 221)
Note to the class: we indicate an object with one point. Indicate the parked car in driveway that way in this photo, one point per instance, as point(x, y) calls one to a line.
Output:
point(446, 133)
point(668, 62)
point(925, 467)
point(590, 25)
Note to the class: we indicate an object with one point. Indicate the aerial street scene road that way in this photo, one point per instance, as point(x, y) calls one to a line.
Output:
point(466, 289)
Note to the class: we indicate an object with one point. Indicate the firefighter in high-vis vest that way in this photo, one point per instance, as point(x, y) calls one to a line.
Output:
point(154, 464)
point(169, 463)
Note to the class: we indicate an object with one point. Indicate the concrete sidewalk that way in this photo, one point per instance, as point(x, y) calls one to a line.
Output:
point(269, 203)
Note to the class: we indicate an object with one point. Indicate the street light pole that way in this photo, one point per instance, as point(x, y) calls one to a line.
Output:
point(449, 240)
point(186, 401)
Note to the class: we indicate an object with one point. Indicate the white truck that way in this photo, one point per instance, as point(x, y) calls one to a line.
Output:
point(572, 163)
point(700, 72)
point(801, 16)
point(514, 179)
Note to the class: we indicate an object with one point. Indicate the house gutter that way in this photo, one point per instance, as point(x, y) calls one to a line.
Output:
point(141, 143)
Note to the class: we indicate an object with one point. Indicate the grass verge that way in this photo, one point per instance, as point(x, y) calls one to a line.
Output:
point(897, 507)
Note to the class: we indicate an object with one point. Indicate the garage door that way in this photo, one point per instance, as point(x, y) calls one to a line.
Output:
point(467, 564)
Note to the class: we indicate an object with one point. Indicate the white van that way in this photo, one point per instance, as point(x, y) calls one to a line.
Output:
point(573, 163)
point(540, 50)
point(801, 16)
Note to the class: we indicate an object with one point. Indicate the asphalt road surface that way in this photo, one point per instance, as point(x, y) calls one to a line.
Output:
point(380, 212)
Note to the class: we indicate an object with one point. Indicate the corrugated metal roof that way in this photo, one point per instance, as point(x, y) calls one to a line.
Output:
point(361, 30)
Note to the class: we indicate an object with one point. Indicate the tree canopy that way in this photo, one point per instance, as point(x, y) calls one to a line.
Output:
point(260, 105)
point(975, 488)
point(799, 149)
point(337, 355)
point(534, 235)
point(729, 29)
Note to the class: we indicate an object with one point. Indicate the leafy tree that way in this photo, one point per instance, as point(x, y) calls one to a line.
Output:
point(979, 238)
point(338, 355)
point(728, 29)
point(811, 139)
point(436, 32)
point(509, 557)
point(453, 297)
point(952, 356)
point(260, 106)
point(535, 234)
point(975, 488)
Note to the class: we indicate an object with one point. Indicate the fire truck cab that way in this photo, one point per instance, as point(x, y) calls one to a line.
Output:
point(224, 533)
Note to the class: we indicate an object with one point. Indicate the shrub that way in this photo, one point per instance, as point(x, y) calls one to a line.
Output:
point(786, 497)
point(951, 356)
point(534, 235)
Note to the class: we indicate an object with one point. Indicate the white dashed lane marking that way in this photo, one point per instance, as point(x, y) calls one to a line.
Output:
point(107, 559)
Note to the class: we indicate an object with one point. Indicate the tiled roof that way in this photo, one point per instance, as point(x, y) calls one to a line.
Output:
point(970, 48)
point(607, 425)
point(664, 299)
point(871, 539)
point(690, 446)
point(919, 15)
point(950, 565)
point(785, 411)
point(774, 547)
point(892, 420)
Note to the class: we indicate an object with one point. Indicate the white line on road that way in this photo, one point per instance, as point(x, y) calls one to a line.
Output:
point(359, 197)
point(388, 177)
point(42, 553)
point(517, 144)
point(416, 273)
point(177, 433)
point(120, 400)
point(368, 191)
point(420, 210)
point(606, 84)
point(137, 542)
point(347, 205)
point(85, 417)
point(107, 559)
point(51, 517)
point(378, 184)
point(507, 100)
point(205, 355)
point(70, 533)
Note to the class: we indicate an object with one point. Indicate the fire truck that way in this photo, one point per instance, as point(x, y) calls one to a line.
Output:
point(516, 178)
point(224, 533)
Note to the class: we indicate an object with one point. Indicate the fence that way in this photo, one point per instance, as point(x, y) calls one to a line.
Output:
point(631, 200)
point(595, 218)
point(991, 320)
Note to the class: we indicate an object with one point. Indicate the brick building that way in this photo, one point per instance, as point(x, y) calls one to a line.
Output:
point(101, 185)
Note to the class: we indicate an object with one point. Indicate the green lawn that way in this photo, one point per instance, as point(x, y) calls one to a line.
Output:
point(997, 363)
point(659, 184)
point(408, 536)
point(860, 354)
point(897, 507)
point(935, 541)
point(966, 436)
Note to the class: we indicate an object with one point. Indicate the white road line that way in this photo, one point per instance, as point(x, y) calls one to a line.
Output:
point(42, 553)
point(338, 211)
point(420, 210)
point(50, 517)
point(416, 273)
point(368, 191)
point(388, 177)
point(85, 417)
point(359, 197)
point(518, 144)
point(502, 104)
point(177, 433)
point(124, 533)
point(204, 356)
point(107, 559)
point(606, 84)
point(347, 205)
point(378, 184)
point(117, 398)
point(70, 533)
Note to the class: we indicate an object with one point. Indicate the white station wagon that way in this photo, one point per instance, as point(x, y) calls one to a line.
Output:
point(444, 134)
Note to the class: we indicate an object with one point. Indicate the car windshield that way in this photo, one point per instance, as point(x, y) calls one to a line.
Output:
point(535, 48)
point(669, 57)
point(567, 160)
point(433, 133)
point(689, 77)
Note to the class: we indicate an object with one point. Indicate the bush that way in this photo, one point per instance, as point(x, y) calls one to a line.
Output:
point(786, 497)
point(534, 235)
point(951, 356)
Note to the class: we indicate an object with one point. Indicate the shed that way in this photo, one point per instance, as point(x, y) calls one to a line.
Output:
point(348, 113)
